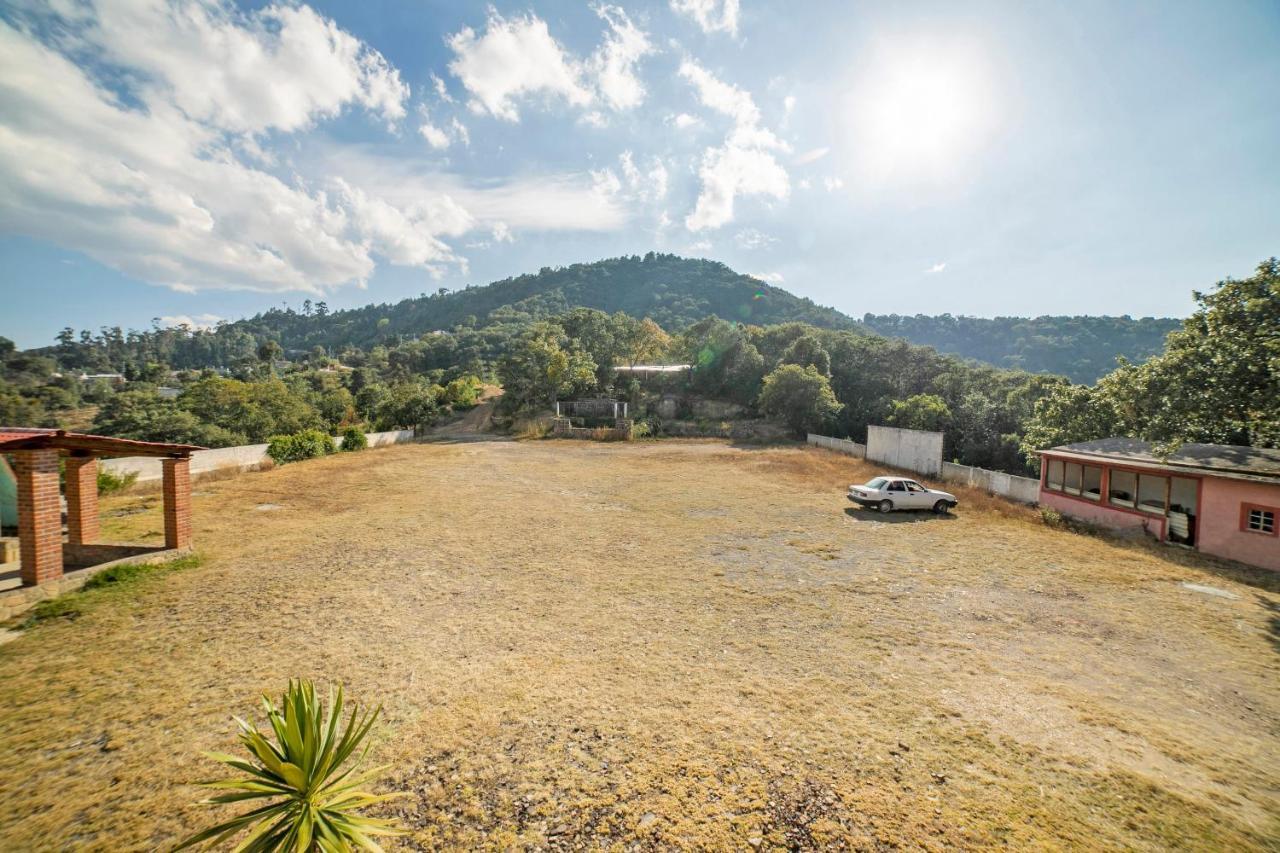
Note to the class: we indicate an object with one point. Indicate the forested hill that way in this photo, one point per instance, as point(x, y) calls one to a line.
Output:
point(1080, 348)
point(673, 291)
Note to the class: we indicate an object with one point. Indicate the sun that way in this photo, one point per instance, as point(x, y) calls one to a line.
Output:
point(920, 111)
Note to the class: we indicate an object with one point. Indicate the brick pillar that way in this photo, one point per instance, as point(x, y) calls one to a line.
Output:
point(82, 501)
point(39, 515)
point(177, 502)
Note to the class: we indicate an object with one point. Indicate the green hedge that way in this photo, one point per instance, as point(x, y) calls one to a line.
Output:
point(353, 438)
point(308, 444)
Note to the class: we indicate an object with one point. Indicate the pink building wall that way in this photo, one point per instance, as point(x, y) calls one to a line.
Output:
point(1096, 513)
point(1220, 533)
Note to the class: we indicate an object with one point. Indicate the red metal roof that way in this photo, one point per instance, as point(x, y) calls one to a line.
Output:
point(29, 438)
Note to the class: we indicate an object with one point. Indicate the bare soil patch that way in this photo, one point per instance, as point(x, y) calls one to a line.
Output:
point(656, 645)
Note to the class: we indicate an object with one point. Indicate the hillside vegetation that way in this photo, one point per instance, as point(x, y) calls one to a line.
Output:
point(1079, 348)
point(672, 291)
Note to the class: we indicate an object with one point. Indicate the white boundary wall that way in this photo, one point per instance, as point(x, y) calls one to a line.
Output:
point(1023, 489)
point(235, 458)
point(839, 445)
point(910, 449)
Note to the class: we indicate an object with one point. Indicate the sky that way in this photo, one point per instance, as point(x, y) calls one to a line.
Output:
point(200, 161)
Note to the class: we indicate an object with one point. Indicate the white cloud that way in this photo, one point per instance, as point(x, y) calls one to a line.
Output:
point(771, 277)
point(514, 58)
point(711, 15)
point(517, 58)
point(460, 132)
point(685, 121)
point(745, 164)
point(832, 183)
point(614, 63)
point(811, 156)
point(647, 185)
point(936, 268)
point(698, 246)
point(751, 238)
point(435, 137)
point(281, 67)
point(546, 202)
point(199, 321)
point(157, 190)
point(442, 91)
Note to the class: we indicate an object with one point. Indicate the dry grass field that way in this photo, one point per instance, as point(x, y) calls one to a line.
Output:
point(657, 645)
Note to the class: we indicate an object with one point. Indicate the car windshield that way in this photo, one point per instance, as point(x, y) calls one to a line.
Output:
point(877, 483)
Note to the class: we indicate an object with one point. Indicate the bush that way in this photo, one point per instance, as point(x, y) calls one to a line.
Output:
point(308, 444)
point(353, 439)
point(1052, 518)
point(109, 482)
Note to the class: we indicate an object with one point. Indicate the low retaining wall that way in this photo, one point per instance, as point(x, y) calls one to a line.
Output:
point(1023, 489)
point(240, 458)
point(839, 445)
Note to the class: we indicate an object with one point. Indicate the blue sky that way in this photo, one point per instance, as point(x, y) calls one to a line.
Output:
point(202, 160)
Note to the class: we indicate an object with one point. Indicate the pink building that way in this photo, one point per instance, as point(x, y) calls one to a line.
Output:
point(1216, 498)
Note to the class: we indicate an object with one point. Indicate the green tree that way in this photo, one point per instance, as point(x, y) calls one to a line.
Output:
point(800, 396)
point(921, 411)
point(806, 350)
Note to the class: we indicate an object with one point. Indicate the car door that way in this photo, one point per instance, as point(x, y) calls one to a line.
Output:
point(917, 495)
point(897, 492)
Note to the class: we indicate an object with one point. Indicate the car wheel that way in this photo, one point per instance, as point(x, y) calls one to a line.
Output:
point(886, 506)
point(941, 507)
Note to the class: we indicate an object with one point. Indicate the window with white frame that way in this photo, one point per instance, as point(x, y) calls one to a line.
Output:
point(1258, 519)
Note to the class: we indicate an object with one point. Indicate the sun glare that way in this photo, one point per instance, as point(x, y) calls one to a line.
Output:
point(920, 114)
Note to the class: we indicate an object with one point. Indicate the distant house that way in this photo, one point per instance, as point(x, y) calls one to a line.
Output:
point(113, 378)
point(1216, 498)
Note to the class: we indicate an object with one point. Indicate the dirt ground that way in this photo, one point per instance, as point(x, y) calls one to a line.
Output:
point(657, 645)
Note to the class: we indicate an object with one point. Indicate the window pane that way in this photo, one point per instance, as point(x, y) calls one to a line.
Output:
point(1092, 483)
point(1123, 487)
point(1151, 492)
point(1072, 485)
point(1262, 520)
point(1182, 495)
point(1055, 474)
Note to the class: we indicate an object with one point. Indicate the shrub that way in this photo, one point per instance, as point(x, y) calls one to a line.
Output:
point(311, 802)
point(1051, 517)
point(109, 482)
point(308, 444)
point(353, 438)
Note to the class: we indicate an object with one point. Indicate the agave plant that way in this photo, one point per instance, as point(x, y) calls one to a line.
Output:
point(314, 804)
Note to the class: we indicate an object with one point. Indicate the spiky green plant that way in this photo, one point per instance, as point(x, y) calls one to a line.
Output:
point(314, 803)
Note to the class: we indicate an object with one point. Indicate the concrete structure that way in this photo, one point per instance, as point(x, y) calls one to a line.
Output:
point(909, 449)
point(594, 408)
point(1220, 499)
point(35, 454)
point(620, 431)
point(242, 458)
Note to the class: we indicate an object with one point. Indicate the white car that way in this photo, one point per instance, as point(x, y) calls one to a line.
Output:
point(887, 493)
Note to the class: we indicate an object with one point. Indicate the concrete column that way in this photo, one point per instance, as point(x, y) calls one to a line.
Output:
point(177, 502)
point(39, 515)
point(82, 501)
